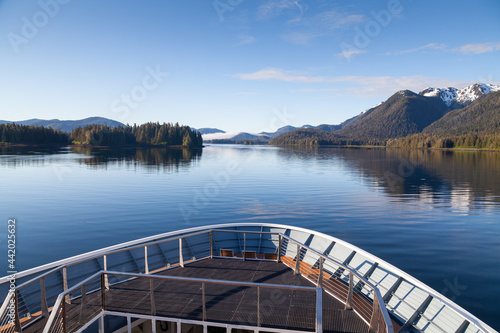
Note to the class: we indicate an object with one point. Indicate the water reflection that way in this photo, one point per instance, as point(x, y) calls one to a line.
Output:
point(100, 158)
point(462, 181)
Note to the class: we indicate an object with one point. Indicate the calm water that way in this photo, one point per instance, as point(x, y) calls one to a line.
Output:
point(434, 214)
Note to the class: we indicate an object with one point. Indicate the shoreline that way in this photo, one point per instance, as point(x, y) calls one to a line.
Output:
point(6, 144)
point(386, 147)
point(53, 145)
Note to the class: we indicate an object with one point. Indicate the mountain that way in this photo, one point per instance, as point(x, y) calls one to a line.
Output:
point(244, 136)
point(67, 125)
point(283, 130)
point(402, 114)
point(457, 99)
point(207, 130)
point(328, 128)
point(480, 116)
point(279, 131)
point(247, 136)
point(232, 137)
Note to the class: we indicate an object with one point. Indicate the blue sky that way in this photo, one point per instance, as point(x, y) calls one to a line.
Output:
point(238, 65)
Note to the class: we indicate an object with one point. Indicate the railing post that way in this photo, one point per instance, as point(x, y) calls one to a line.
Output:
point(83, 302)
point(203, 300)
point(258, 306)
point(297, 261)
point(320, 275)
point(65, 284)
point(101, 323)
point(279, 248)
point(244, 245)
point(375, 314)
point(43, 299)
point(64, 320)
point(106, 282)
point(181, 260)
point(17, 320)
point(103, 292)
point(348, 303)
point(211, 244)
point(146, 266)
point(319, 310)
point(152, 292)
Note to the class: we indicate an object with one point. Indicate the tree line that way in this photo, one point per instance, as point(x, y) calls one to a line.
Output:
point(315, 137)
point(24, 134)
point(157, 134)
point(431, 140)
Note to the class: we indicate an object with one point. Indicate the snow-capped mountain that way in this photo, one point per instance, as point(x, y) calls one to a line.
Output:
point(454, 98)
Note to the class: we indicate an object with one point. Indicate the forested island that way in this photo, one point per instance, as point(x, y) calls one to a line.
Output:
point(149, 134)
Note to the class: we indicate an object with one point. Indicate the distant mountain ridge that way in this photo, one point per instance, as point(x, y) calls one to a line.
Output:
point(208, 130)
point(438, 111)
point(481, 116)
point(67, 125)
point(404, 113)
point(455, 98)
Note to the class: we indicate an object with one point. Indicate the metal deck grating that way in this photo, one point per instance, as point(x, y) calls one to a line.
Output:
point(292, 309)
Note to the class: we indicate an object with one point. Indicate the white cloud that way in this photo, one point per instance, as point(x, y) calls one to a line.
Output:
point(430, 46)
point(334, 20)
point(478, 48)
point(349, 54)
point(245, 40)
point(301, 38)
point(273, 8)
point(360, 86)
point(279, 75)
point(464, 49)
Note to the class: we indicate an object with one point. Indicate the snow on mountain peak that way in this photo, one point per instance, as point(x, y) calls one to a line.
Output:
point(463, 96)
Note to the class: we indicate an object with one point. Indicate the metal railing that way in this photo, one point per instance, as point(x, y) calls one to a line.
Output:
point(31, 297)
point(207, 298)
point(34, 298)
point(338, 280)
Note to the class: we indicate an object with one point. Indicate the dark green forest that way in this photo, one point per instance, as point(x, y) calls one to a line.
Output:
point(24, 134)
point(431, 140)
point(315, 137)
point(154, 134)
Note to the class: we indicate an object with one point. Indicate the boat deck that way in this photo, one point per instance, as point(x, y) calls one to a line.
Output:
point(280, 308)
point(286, 309)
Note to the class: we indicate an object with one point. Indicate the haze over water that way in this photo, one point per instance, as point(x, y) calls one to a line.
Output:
point(434, 214)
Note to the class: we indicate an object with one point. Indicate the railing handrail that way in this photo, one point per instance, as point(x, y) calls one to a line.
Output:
point(38, 277)
point(53, 313)
point(377, 298)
